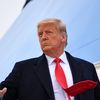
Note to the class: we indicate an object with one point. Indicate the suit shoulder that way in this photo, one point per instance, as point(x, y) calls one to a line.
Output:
point(84, 64)
point(83, 61)
point(29, 61)
point(78, 60)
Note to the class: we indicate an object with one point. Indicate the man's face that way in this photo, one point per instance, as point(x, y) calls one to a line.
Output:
point(50, 37)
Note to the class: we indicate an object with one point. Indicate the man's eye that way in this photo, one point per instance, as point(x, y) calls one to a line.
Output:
point(48, 32)
point(40, 34)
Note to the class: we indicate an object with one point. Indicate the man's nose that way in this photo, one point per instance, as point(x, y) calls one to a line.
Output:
point(44, 36)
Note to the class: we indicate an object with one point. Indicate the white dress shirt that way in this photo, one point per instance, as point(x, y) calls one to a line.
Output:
point(59, 93)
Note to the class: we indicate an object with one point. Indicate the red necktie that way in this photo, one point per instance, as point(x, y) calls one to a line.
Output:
point(60, 76)
point(75, 89)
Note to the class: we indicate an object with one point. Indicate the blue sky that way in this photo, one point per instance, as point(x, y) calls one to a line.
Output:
point(82, 18)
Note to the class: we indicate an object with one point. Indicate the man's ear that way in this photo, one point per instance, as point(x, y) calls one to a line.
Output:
point(64, 37)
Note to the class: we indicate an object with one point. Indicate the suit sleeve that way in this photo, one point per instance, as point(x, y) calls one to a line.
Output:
point(11, 82)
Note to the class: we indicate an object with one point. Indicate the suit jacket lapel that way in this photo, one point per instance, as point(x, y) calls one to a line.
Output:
point(76, 71)
point(42, 71)
point(75, 68)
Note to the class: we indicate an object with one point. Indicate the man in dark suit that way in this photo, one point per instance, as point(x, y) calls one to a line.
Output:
point(35, 79)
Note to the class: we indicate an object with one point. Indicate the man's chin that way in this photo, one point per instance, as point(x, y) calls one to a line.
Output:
point(46, 49)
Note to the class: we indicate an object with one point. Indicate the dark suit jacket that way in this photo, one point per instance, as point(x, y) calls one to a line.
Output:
point(30, 80)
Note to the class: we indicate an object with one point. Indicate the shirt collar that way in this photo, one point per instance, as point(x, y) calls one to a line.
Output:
point(49, 59)
point(62, 57)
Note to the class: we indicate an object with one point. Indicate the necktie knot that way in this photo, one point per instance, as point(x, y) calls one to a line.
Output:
point(57, 60)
